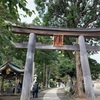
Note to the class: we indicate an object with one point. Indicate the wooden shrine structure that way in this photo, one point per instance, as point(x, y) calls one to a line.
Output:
point(81, 34)
point(10, 71)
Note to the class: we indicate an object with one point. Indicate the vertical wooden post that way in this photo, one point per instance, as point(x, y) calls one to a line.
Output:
point(86, 70)
point(28, 68)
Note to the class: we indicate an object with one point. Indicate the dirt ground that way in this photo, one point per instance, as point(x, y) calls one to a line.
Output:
point(9, 97)
point(18, 98)
point(97, 98)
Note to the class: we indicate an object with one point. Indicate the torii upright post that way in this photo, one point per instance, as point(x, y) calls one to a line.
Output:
point(28, 68)
point(86, 70)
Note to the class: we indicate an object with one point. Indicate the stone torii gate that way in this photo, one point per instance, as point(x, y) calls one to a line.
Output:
point(31, 45)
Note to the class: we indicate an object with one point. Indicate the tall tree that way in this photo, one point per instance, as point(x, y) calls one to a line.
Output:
point(70, 14)
point(9, 15)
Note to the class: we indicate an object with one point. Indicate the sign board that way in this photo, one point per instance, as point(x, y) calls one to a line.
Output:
point(58, 40)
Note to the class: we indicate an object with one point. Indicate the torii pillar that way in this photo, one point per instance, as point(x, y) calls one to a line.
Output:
point(86, 70)
point(28, 68)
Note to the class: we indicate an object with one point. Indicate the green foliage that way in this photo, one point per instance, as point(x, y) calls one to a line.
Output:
point(52, 84)
point(8, 16)
point(95, 68)
point(36, 22)
point(13, 5)
point(68, 13)
point(66, 66)
point(5, 34)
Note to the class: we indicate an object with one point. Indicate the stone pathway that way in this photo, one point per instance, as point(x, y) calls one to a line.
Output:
point(52, 94)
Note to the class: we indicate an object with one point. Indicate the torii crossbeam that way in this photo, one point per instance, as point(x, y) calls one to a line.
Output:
point(74, 32)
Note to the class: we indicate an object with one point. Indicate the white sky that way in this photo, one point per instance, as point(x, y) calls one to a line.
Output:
point(30, 6)
point(96, 57)
point(28, 19)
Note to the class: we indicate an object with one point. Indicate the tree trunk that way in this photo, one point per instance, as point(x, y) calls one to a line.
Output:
point(79, 77)
point(66, 80)
point(44, 75)
point(15, 85)
point(74, 88)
